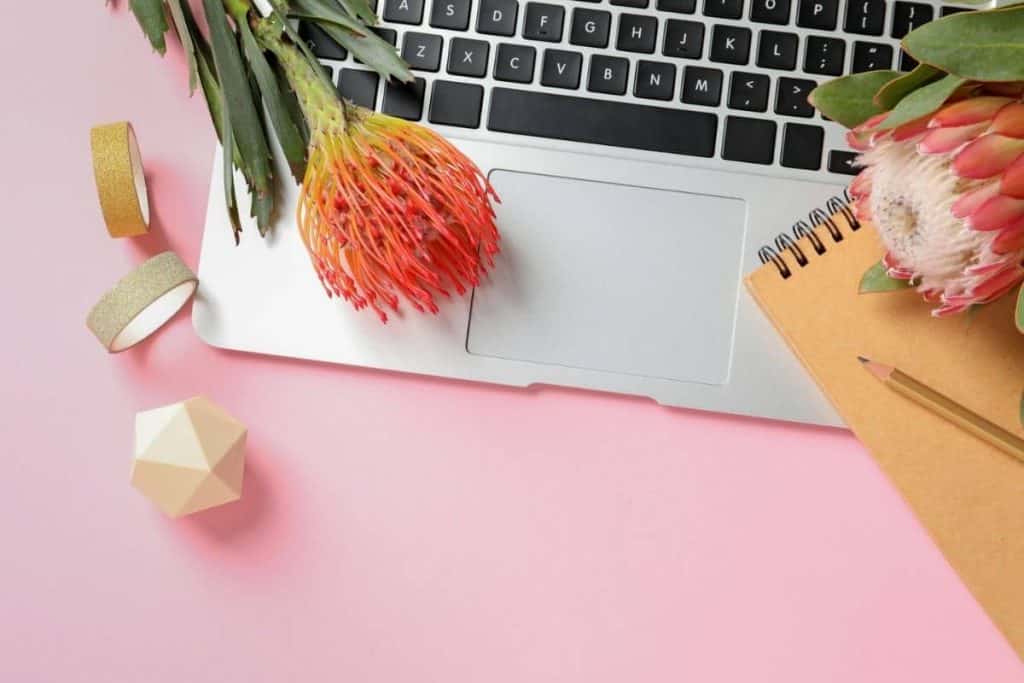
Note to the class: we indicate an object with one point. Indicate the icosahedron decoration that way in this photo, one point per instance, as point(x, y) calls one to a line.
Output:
point(189, 456)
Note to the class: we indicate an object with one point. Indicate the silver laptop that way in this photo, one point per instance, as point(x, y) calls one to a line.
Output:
point(644, 151)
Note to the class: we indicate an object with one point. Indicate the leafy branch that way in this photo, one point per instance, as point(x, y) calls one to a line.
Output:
point(245, 88)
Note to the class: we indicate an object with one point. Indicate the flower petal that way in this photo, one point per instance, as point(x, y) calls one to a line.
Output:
point(969, 111)
point(910, 130)
point(969, 202)
point(861, 185)
point(987, 156)
point(997, 284)
point(1010, 238)
point(996, 213)
point(947, 310)
point(941, 140)
point(1010, 121)
point(1012, 182)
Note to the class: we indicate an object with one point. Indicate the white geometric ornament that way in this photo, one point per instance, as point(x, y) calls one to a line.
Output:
point(189, 456)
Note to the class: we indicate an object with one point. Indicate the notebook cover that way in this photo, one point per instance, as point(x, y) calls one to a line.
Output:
point(969, 495)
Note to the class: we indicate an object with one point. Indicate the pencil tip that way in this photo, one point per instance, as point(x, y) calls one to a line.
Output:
point(863, 360)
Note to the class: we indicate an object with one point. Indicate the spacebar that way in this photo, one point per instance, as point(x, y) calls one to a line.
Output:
point(620, 124)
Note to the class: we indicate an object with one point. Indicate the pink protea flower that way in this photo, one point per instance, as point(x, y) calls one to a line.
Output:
point(946, 193)
point(388, 209)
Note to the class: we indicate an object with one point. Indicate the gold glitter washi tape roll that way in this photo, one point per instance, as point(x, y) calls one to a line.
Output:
point(120, 179)
point(142, 302)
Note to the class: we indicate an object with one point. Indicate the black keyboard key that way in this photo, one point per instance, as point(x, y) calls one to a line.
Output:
point(453, 14)
point(468, 57)
point(946, 10)
point(871, 56)
point(603, 122)
point(777, 50)
point(404, 100)
point(388, 35)
point(702, 85)
point(637, 33)
point(749, 140)
point(684, 6)
point(801, 146)
point(498, 17)
point(683, 39)
point(791, 97)
point(723, 9)
point(608, 75)
point(630, 3)
point(907, 63)
point(422, 51)
point(748, 92)
point(770, 11)
point(456, 104)
point(730, 44)
point(590, 27)
point(819, 14)
point(543, 22)
point(824, 56)
point(322, 45)
point(359, 86)
point(403, 11)
point(907, 16)
point(843, 162)
point(866, 17)
point(561, 69)
point(655, 80)
point(514, 63)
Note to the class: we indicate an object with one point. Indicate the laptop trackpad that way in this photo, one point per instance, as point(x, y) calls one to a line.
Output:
point(611, 277)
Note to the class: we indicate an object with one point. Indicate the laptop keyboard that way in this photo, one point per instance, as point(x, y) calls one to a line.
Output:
point(723, 79)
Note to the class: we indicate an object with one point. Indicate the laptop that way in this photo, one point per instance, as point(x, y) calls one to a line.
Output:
point(643, 150)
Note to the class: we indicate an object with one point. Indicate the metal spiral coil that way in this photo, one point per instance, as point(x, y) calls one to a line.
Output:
point(808, 230)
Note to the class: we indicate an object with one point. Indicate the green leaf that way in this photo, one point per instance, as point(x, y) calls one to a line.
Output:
point(876, 279)
point(247, 130)
point(980, 46)
point(922, 102)
point(229, 174)
point(850, 100)
point(1020, 311)
point(1020, 410)
point(150, 15)
point(288, 135)
point(326, 11)
point(359, 8)
point(371, 50)
point(898, 88)
point(187, 44)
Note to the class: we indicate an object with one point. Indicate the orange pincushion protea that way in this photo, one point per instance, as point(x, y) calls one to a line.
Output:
point(389, 209)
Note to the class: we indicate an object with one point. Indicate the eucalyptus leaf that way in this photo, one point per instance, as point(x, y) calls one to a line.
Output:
point(239, 102)
point(922, 102)
point(895, 90)
point(850, 100)
point(980, 46)
point(187, 44)
point(876, 279)
point(288, 135)
point(153, 21)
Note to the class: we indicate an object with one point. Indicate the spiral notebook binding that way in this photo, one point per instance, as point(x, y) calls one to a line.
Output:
point(806, 232)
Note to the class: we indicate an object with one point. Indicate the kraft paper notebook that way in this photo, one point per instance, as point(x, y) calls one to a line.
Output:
point(968, 494)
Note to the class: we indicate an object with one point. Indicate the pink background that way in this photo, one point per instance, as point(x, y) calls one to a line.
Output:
point(398, 528)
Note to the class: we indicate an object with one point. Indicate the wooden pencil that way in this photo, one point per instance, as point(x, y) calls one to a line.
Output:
point(946, 407)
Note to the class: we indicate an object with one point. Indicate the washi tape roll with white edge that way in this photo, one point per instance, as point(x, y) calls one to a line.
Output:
point(142, 302)
point(120, 179)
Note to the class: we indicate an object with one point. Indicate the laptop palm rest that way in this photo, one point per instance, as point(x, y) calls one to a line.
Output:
point(613, 278)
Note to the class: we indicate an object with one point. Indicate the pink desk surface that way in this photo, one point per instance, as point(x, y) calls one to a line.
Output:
point(398, 528)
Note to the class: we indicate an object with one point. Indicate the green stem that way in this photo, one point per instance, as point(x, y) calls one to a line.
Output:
point(320, 104)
